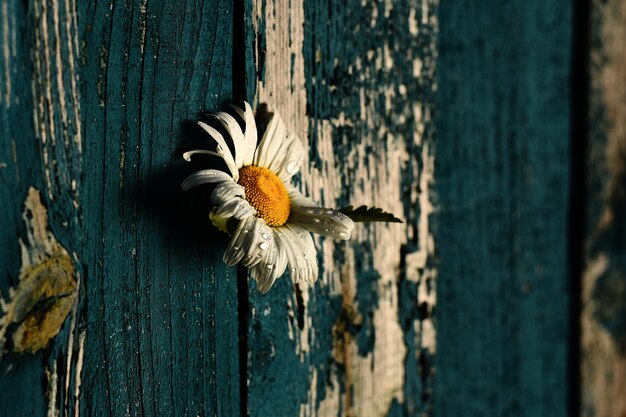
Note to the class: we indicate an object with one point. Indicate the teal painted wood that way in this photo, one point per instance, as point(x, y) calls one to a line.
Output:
point(503, 170)
point(158, 309)
point(343, 50)
point(31, 100)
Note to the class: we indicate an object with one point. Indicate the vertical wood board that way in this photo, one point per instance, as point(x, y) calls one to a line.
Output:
point(503, 137)
point(99, 101)
point(356, 82)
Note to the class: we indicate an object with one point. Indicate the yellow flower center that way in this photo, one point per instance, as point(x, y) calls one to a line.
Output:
point(266, 193)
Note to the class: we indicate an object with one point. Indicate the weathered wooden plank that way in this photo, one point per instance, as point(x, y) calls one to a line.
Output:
point(355, 81)
point(502, 192)
point(100, 131)
point(40, 143)
point(603, 321)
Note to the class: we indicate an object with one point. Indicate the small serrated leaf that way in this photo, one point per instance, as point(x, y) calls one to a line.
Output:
point(369, 214)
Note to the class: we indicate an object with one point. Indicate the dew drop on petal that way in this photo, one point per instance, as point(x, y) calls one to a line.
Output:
point(264, 245)
point(265, 235)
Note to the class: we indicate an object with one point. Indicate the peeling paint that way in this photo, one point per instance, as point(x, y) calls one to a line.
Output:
point(79, 372)
point(70, 29)
point(53, 380)
point(58, 61)
point(413, 26)
point(45, 293)
point(603, 328)
point(70, 343)
point(39, 110)
point(55, 93)
point(610, 78)
point(601, 356)
point(372, 375)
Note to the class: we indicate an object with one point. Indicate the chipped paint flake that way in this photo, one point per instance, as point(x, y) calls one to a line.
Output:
point(79, 372)
point(53, 380)
point(46, 290)
point(601, 355)
point(70, 29)
point(413, 26)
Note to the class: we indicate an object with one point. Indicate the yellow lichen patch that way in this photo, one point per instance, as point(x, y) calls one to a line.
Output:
point(46, 290)
point(47, 296)
point(266, 193)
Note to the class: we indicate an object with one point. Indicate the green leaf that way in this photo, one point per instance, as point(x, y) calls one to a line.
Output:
point(371, 214)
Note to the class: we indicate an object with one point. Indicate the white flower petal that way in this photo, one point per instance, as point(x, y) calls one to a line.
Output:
point(222, 149)
point(244, 151)
point(234, 130)
point(323, 221)
point(273, 261)
point(243, 244)
point(279, 153)
point(227, 191)
point(251, 135)
point(286, 162)
point(236, 207)
point(273, 139)
point(204, 177)
point(300, 251)
point(239, 111)
point(245, 210)
point(297, 198)
point(281, 261)
point(187, 155)
point(229, 197)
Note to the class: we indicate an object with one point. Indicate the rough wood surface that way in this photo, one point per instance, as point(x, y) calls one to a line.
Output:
point(502, 171)
point(95, 99)
point(603, 322)
point(356, 82)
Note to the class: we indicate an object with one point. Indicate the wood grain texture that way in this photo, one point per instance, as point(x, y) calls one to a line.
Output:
point(97, 99)
point(40, 147)
point(355, 81)
point(502, 191)
point(603, 321)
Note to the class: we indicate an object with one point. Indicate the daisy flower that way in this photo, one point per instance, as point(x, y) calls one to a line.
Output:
point(268, 218)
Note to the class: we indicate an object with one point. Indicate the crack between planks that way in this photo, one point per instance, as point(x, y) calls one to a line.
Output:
point(243, 313)
point(243, 300)
point(578, 198)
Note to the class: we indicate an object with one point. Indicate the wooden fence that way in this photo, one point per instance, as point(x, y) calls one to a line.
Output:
point(496, 131)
